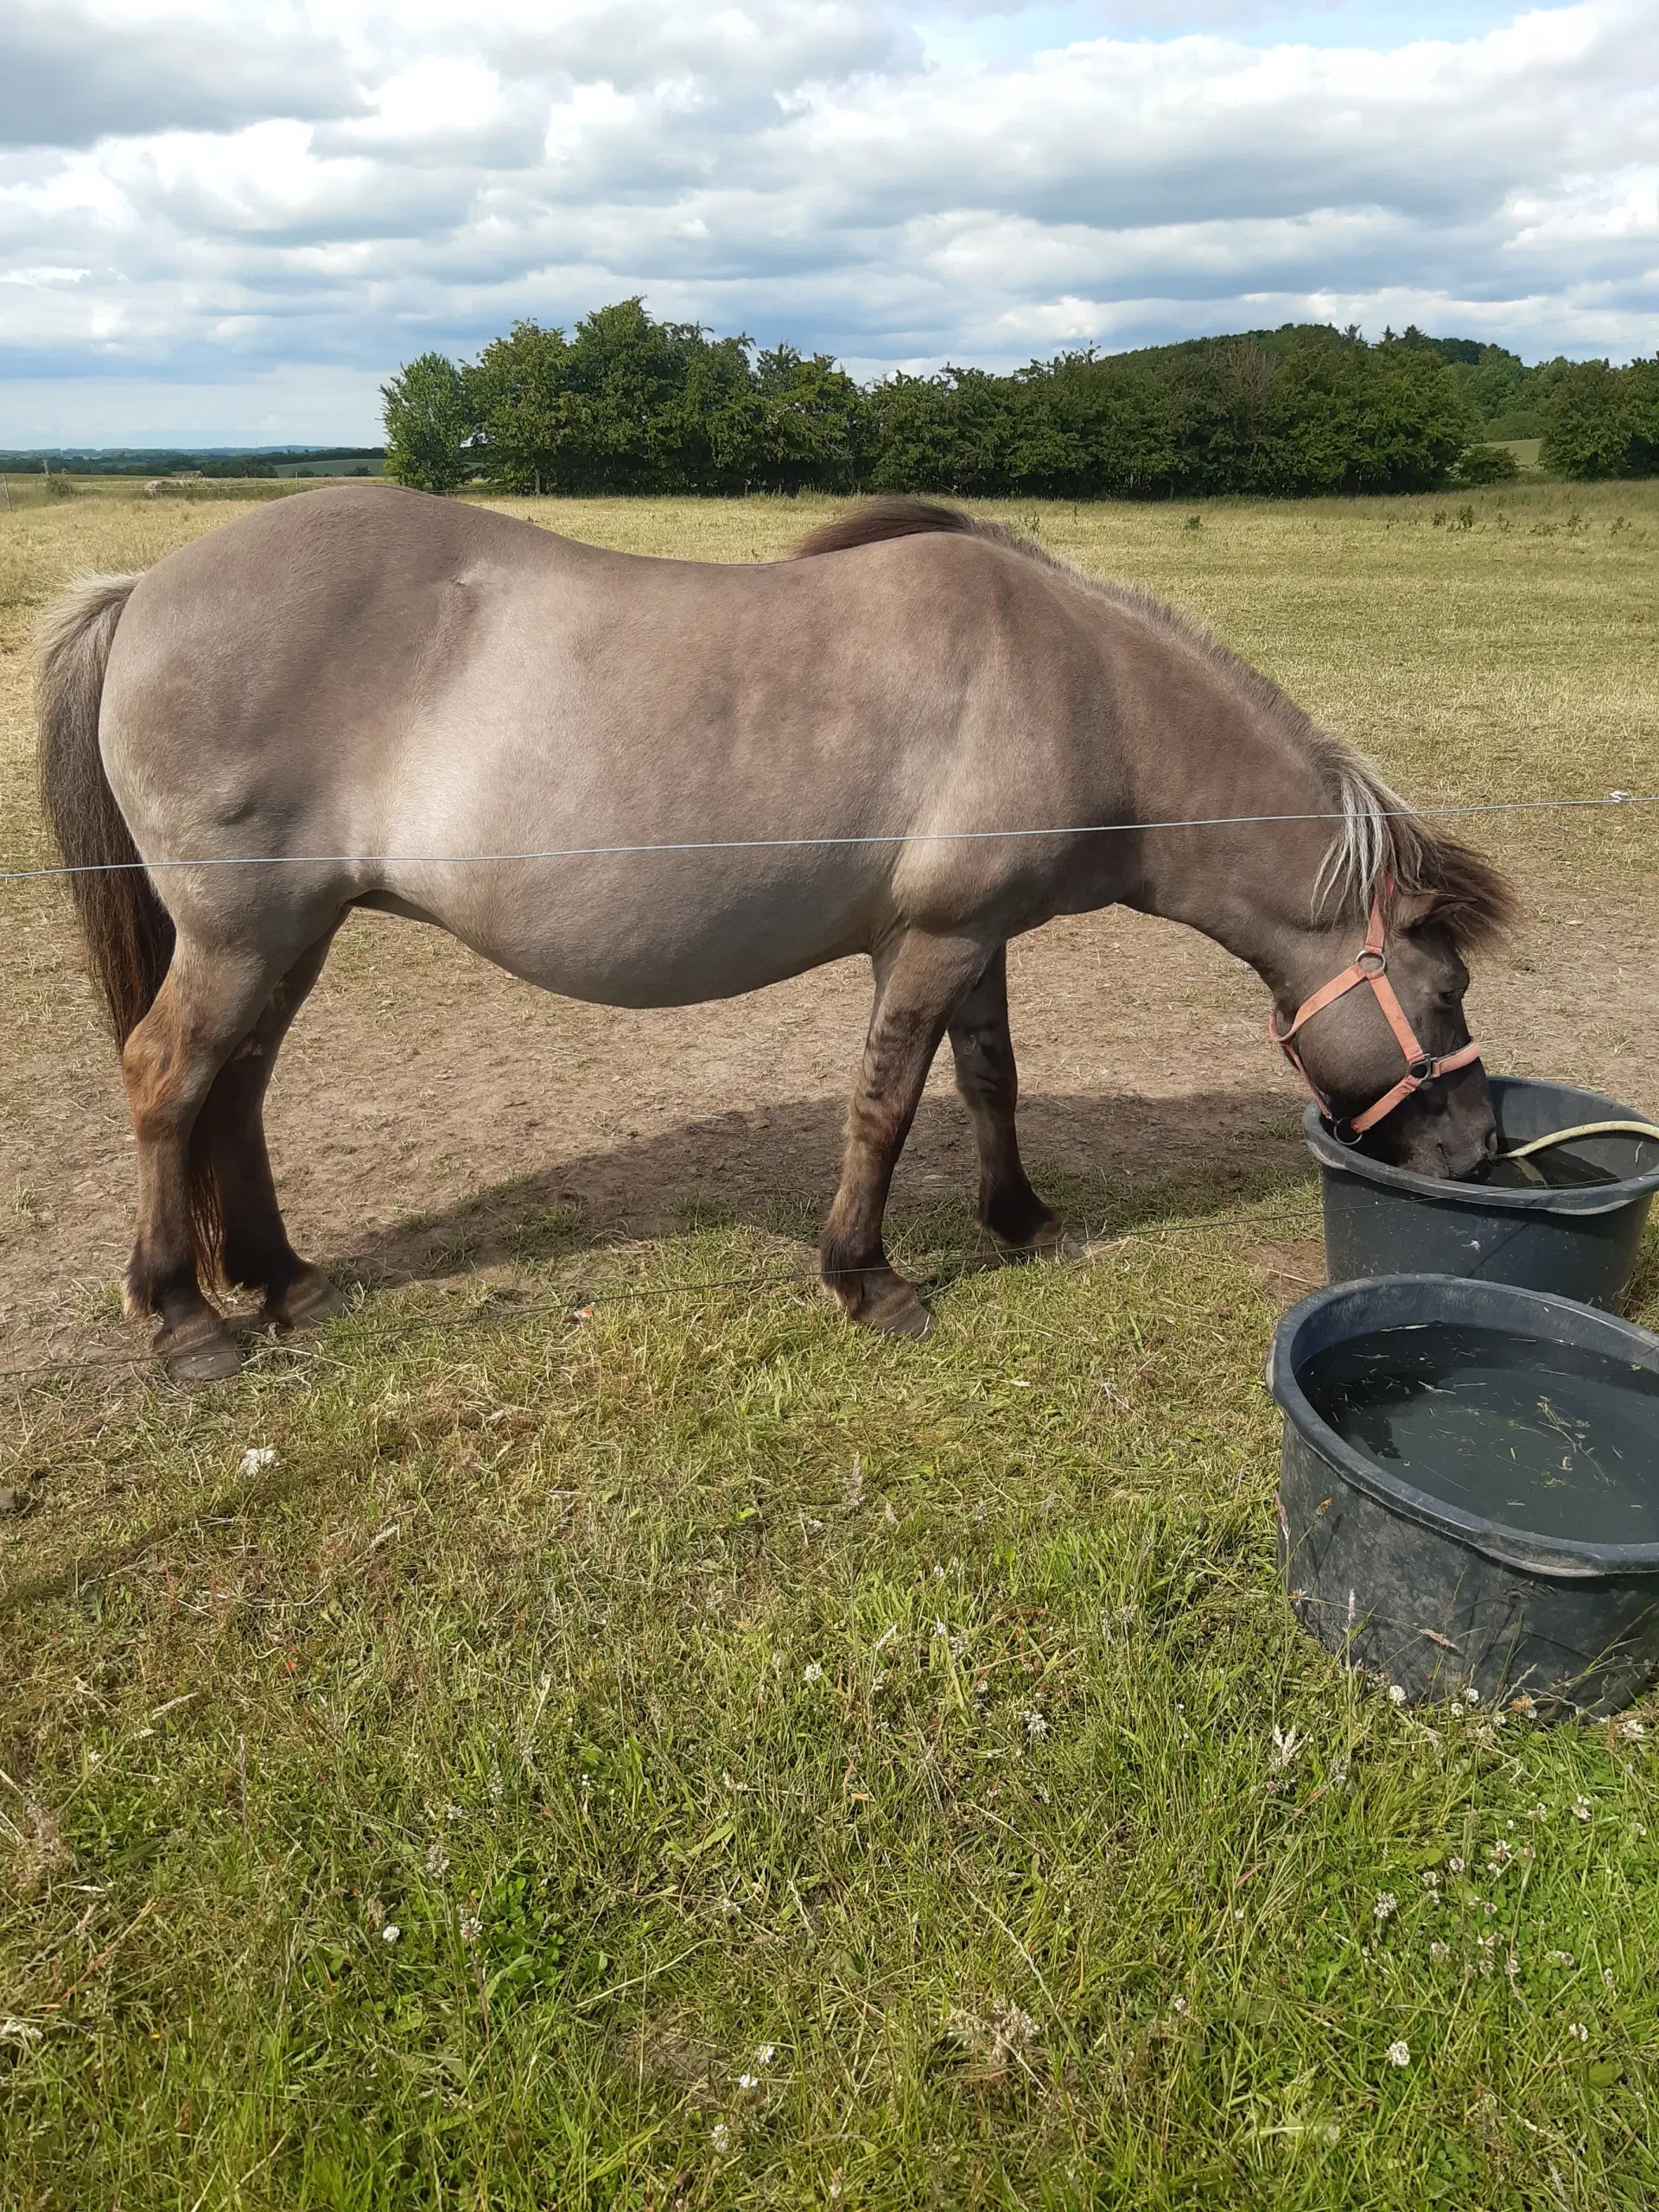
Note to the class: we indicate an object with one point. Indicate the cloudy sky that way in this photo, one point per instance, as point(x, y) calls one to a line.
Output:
point(227, 220)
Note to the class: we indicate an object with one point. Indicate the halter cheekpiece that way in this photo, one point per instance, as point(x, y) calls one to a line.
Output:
point(1369, 965)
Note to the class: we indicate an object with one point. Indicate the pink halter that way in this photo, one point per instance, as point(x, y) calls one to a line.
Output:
point(1370, 966)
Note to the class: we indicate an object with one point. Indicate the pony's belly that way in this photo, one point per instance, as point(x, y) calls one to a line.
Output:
point(675, 945)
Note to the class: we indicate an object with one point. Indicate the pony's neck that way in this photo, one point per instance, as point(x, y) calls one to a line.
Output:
point(1253, 885)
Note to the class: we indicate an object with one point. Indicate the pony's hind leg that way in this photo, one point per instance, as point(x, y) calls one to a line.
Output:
point(207, 1005)
point(989, 1083)
point(228, 1149)
point(918, 981)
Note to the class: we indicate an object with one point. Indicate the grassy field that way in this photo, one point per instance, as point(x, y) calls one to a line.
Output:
point(611, 1735)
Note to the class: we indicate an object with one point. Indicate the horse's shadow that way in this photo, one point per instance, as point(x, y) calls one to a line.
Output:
point(1107, 1163)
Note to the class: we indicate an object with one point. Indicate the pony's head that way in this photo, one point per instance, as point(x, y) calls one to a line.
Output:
point(1382, 1039)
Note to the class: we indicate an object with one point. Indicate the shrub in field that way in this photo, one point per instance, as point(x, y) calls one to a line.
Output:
point(1488, 464)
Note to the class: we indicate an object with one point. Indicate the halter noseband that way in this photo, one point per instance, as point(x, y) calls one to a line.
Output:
point(1369, 966)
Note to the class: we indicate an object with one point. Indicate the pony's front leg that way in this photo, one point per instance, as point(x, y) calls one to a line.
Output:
point(204, 1008)
point(989, 1083)
point(919, 981)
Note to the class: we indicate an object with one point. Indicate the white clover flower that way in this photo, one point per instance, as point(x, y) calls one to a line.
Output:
point(258, 1459)
point(1538, 1813)
point(1581, 1808)
point(1579, 2032)
point(1179, 2005)
point(720, 2135)
point(471, 1927)
point(1035, 1724)
point(1387, 1904)
point(437, 1861)
point(812, 1673)
point(748, 2081)
point(1456, 1866)
point(1440, 1953)
point(453, 1812)
point(1559, 1958)
point(1396, 1693)
point(1431, 1880)
point(1633, 1729)
point(1472, 1694)
point(1607, 1976)
point(391, 1932)
point(1399, 2054)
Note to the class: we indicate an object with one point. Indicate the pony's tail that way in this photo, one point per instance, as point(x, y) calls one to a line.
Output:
point(128, 933)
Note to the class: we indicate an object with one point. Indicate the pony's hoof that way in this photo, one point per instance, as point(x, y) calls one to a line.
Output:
point(891, 1306)
point(209, 1356)
point(1053, 1243)
point(896, 1311)
point(1046, 1240)
point(309, 1299)
point(901, 1317)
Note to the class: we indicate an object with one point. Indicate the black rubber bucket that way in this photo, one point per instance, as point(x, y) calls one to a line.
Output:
point(1441, 1599)
point(1577, 1243)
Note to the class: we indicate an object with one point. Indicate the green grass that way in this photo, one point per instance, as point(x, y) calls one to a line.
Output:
point(701, 1676)
point(684, 1675)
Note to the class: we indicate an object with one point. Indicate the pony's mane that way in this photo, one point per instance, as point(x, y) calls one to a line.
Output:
point(1379, 838)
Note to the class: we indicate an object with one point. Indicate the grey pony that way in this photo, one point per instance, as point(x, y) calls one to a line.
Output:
point(358, 687)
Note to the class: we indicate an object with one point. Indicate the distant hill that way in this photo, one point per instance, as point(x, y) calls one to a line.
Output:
point(201, 460)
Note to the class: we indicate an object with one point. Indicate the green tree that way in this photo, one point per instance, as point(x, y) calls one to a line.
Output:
point(525, 426)
point(1602, 422)
point(812, 422)
point(953, 432)
point(428, 418)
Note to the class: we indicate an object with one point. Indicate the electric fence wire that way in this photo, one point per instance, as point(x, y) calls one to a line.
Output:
point(1617, 798)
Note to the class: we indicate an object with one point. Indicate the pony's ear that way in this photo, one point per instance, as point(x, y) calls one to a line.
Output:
point(1459, 889)
point(1412, 907)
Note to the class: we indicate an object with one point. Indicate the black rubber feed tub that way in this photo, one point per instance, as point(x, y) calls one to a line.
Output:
point(1387, 1555)
point(1579, 1243)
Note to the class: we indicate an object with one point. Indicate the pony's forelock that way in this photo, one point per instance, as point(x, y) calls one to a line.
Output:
point(1380, 841)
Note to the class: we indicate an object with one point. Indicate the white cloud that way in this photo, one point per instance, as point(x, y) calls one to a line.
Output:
point(233, 199)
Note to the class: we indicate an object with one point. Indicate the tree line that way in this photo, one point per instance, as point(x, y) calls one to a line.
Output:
point(628, 404)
